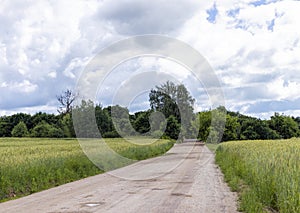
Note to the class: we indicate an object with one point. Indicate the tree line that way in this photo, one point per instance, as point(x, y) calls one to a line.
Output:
point(170, 100)
point(243, 127)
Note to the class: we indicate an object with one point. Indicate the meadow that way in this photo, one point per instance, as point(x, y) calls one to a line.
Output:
point(29, 165)
point(266, 174)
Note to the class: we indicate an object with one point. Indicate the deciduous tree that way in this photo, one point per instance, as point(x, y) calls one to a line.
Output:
point(20, 130)
point(174, 100)
point(66, 100)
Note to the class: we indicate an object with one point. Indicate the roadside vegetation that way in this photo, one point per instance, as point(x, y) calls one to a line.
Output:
point(29, 165)
point(212, 146)
point(266, 174)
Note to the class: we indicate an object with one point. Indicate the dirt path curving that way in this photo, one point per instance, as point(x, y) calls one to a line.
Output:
point(194, 184)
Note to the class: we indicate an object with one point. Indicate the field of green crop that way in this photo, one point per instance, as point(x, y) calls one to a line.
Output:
point(265, 173)
point(29, 165)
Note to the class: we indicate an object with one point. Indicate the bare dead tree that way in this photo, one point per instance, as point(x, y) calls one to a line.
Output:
point(66, 100)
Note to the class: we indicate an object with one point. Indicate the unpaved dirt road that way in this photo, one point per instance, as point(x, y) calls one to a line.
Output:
point(193, 184)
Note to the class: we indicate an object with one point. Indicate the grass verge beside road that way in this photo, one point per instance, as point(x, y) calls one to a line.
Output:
point(265, 173)
point(29, 165)
point(212, 146)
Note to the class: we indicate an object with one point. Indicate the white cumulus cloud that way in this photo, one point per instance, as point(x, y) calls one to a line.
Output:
point(254, 47)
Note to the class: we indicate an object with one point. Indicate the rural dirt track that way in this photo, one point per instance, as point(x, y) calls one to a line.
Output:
point(195, 184)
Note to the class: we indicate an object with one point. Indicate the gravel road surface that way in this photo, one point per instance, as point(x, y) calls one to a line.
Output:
point(184, 180)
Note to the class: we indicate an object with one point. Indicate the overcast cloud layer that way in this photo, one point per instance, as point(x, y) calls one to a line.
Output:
point(253, 46)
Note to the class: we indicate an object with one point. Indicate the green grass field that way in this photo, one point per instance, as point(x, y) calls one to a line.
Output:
point(30, 165)
point(265, 173)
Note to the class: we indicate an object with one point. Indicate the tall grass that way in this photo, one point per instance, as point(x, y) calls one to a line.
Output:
point(265, 173)
point(30, 165)
point(212, 146)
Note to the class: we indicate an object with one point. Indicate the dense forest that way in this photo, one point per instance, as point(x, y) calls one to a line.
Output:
point(173, 101)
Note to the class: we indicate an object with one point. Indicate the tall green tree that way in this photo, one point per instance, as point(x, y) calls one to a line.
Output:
point(83, 116)
point(253, 129)
point(297, 119)
point(20, 130)
point(5, 127)
point(17, 118)
point(45, 130)
point(141, 121)
point(110, 132)
point(174, 100)
point(121, 120)
point(7, 123)
point(231, 128)
point(103, 120)
point(66, 124)
point(216, 125)
point(43, 117)
point(172, 128)
point(203, 122)
point(286, 126)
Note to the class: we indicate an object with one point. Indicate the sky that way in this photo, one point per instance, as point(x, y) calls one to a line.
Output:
point(252, 46)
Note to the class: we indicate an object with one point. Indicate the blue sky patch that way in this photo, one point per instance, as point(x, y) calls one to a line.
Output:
point(233, 13)
point(271, 25)
point(212, 13)
point(241, 24)
point(261, 2)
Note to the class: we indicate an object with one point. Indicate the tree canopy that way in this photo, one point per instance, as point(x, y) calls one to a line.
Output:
point(176, 103)
point(171, 100)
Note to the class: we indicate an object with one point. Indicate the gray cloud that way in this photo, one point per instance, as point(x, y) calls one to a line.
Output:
point(144, 17)
point(274, 106)
point(251, 93)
